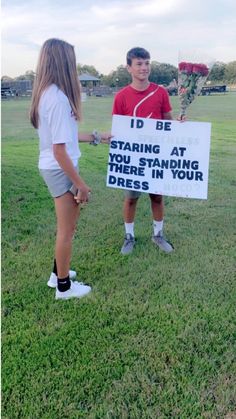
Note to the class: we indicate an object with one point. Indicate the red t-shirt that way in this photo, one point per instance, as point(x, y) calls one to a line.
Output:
point(150, 103)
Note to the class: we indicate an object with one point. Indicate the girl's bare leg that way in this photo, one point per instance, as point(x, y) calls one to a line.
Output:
point(67, 212)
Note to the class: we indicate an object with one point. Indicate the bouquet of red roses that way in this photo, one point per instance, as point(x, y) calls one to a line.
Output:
point(191, 78)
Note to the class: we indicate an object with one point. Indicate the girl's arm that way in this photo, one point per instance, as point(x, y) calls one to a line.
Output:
point(103, 137)
point(85, 138)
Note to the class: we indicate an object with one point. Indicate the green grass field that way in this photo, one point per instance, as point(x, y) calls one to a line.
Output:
point(156, 337)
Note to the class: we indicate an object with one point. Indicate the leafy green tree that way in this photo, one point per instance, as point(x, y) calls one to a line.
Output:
point(29, 75)
point(87, 69)
point(117, 78)
point(162, 73)
point(217, 73)
point(230, 72)
point(155, 75)
point(6, 78)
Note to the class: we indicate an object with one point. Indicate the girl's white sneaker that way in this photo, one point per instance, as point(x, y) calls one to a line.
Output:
point(77, 290)
point(52, 282)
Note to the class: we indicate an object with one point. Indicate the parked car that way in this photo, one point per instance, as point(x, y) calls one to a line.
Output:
point(207, 90)
point(6, 93)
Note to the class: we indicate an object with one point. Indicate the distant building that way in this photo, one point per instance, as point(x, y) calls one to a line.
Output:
point(91, 86)
point(88, 83)
point(87, 80)
point(18, 87)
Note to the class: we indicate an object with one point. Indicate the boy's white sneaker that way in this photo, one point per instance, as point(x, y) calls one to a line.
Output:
point(52, 282)
point(162, 243)
point(76, 290)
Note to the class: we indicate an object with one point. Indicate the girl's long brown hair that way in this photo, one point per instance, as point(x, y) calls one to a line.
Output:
point(57, 64)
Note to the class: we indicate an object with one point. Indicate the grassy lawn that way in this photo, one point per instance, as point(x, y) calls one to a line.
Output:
point(156, 337)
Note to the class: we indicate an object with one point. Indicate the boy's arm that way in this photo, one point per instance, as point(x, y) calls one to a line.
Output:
point(118, 105)
point(167, 115)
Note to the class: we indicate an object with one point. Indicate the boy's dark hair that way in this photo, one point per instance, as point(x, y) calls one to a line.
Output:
point(137, 52)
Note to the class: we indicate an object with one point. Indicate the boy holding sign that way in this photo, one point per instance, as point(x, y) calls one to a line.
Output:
point(146, 100)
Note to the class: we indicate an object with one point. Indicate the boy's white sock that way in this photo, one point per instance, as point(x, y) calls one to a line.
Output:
point(157, 226)
point(129, 228)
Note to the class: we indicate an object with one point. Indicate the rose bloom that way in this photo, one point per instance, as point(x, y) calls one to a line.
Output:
point(186, 67)
point(204, 70)
point(201, 69)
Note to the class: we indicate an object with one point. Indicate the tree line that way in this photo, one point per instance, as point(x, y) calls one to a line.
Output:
point(161, 73)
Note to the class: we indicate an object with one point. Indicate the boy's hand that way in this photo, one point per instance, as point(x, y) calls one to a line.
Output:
point(181, 118)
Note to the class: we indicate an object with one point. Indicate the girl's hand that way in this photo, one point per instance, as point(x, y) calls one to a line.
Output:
point(83, 193)
point(106, 137)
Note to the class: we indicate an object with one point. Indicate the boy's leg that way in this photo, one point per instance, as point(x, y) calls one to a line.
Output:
point(129, 210)
point(157, 205)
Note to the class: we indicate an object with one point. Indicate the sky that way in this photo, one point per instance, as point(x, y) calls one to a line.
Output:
point(102, 31)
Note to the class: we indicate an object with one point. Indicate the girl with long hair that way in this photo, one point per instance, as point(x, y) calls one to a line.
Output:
point(55, 112)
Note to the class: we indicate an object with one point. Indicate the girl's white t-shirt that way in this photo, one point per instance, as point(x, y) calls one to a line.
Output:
point(57, 125)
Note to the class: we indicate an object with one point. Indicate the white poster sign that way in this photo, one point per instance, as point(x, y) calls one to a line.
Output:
point(159, 156)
